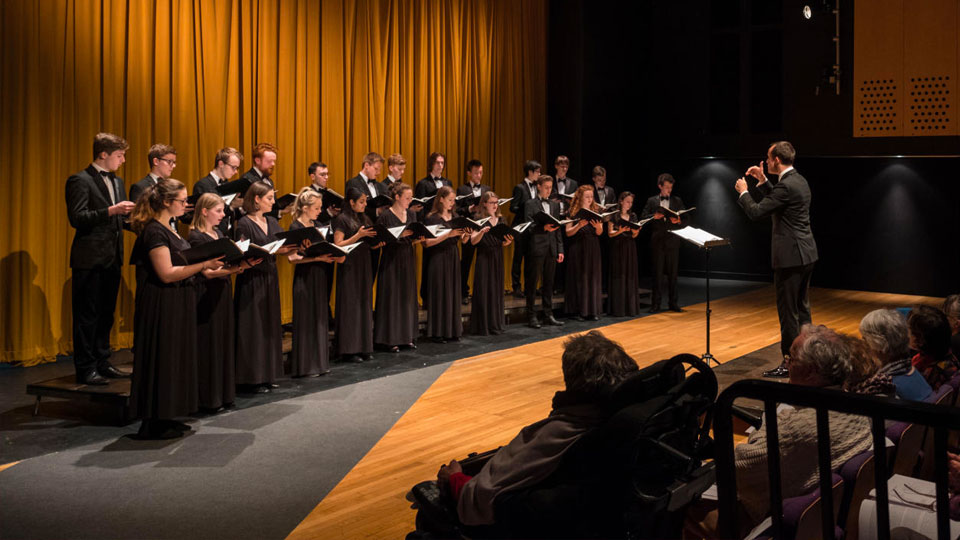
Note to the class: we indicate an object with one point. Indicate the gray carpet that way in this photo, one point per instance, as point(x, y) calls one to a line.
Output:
point(251, 473)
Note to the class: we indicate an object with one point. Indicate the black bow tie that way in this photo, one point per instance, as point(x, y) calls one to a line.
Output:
point(106, 174)
point(371, 181)
point(663, 198)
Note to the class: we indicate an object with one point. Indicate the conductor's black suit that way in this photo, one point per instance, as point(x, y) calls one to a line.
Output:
point(793, 249)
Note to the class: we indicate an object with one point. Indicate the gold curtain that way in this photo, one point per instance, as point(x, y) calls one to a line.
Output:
point(323, 80)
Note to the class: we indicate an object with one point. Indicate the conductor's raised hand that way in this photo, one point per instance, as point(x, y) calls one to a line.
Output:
point(741, 185)
point(757, 172)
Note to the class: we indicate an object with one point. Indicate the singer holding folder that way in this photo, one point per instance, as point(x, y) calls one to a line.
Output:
point(443, 271)
point(623, 260)
point(354, 309)
point(216, 377)
point(310, 356)
point(582, 296)
point(544, 249)
point(487, 315)
point(257, 297)
point(664, 246)
point(395, 319)
point(165, 318)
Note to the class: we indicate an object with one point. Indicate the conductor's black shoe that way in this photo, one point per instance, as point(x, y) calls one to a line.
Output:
point(111, 372)
point(552, 321)
point(779, 371)
point(534, 322)
point(676, 308)
point(92, 378)
point(654, 309)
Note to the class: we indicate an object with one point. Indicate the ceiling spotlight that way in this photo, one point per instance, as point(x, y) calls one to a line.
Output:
point(807, 12)
point(817, 8)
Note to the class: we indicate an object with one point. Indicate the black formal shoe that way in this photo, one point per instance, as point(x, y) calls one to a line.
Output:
point(534, 322)
point(179, 426)
point(395, 349)
point(578, 318)
point(353, 358)
point(779, 371)
point(273, 385)
point(262, 389)
point(92, 378)
point(517, 293)
point(549, 319)
point(111, 372)
point(678, 309)
point(411, 346)
point(654, 309)
point(593, 318)
point(439, 340)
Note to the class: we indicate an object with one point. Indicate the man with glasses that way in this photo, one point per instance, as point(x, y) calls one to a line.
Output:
point(226, 164)
point(793, 248)
point(163, 160)
point(319, 174)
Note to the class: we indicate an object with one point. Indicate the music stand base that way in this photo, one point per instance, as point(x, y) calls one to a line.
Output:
point(707, 358)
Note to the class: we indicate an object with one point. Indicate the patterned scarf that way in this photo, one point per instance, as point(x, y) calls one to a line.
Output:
point(899, 367)
point(879, 383)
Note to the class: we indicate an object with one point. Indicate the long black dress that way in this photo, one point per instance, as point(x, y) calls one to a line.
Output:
point(395, 319)
point(583, 294)
point(164, 333)
point(487, 314)
point(311, 347)
point(354, 309)
point(215, 357)
point(257, 308)
point(443, 285)
point(623, 274)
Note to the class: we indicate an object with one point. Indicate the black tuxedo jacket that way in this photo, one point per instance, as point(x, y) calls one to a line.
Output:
point(208, 184)
point(254, 177)
point(569, 186)
point(518, 205)
point(465, 189)
point(137, 189)
point(660, 228)
point(427, 187)
point(609, 195)
point(540, 242)
point(788, 204)
point(98, 242)
point(357, 182)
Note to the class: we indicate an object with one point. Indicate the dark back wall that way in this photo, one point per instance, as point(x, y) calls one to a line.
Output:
point(659, 86)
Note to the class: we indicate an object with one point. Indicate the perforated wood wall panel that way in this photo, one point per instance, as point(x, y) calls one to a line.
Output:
point(906, 62)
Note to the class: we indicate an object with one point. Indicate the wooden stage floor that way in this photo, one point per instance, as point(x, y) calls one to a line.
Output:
point(481, 402)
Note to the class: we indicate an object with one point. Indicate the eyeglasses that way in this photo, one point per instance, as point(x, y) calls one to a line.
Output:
point(233, 167)
point(172, 162)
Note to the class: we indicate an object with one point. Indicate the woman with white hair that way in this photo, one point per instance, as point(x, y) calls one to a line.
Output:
point(885, 333)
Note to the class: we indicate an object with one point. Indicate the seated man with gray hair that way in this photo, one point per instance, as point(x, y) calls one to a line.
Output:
point(951, 307)
point(885, 333)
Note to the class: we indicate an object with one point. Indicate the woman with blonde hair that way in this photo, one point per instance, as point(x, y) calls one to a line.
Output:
point(215, 339)
point(164, 323)
point(486, 315)
point(310, 356)
point(583, 296)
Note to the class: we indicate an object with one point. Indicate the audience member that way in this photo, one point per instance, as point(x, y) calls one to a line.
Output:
point(951, 308)
point(592, 366)
point(929, 332)
point(885, 333)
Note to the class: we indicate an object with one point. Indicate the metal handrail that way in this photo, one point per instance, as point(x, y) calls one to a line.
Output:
point(878, 409)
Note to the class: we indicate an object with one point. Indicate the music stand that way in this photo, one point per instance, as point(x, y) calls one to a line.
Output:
point(706, 242)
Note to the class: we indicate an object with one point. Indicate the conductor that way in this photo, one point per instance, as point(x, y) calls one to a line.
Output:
point(793, 249)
